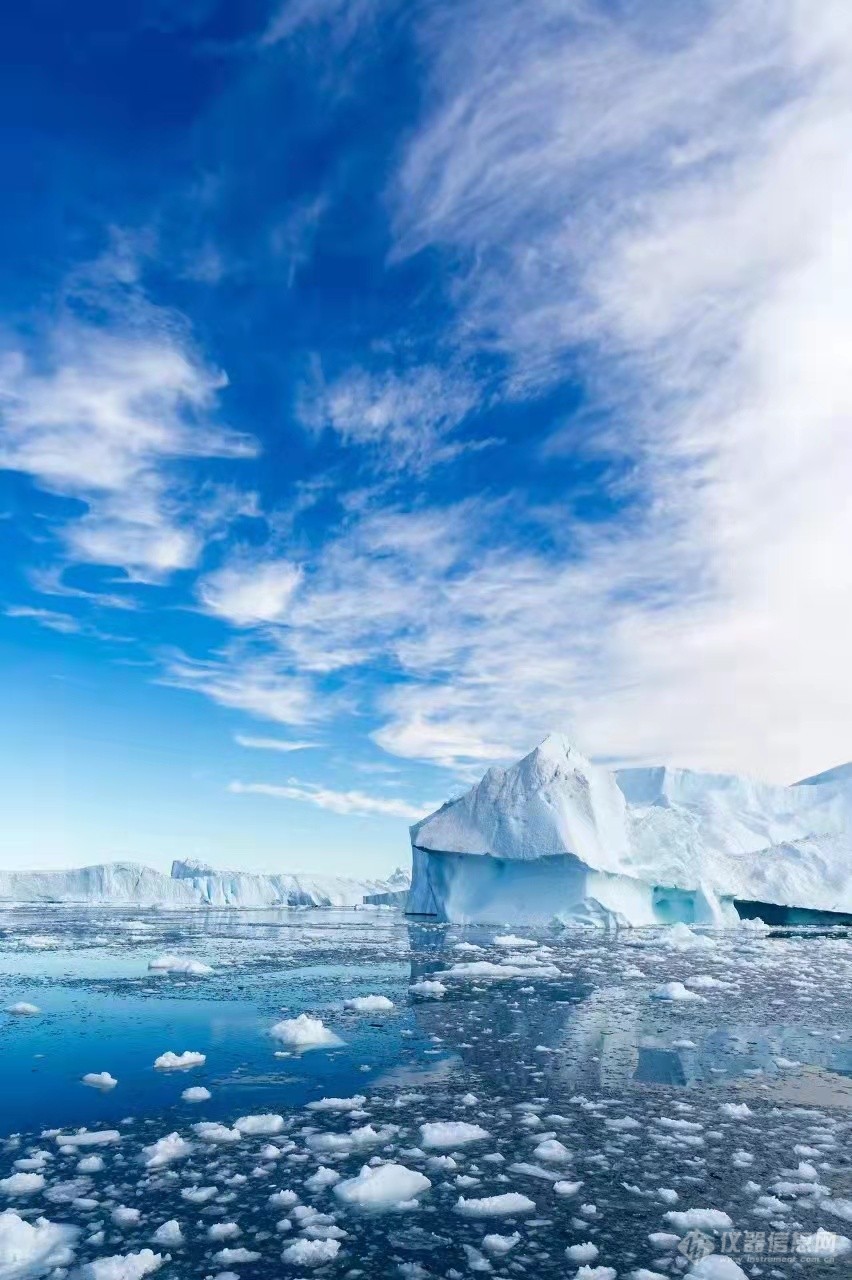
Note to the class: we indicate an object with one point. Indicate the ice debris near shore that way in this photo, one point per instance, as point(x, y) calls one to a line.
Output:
point(556, 837)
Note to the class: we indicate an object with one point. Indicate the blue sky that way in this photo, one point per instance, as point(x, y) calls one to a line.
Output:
point(384, 386)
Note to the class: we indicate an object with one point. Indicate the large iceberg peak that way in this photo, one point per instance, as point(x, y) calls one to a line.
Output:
point(552, 802)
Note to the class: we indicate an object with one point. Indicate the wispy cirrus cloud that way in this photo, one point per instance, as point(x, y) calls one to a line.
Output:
point(249, 590)
point(271, 744)
point(252, 683)
point(671, 214)
point(404, 420)
point(349, 803)
point(63, 623)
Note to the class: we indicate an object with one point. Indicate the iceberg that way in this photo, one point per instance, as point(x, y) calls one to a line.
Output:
point(557, 837)
point(195, 884)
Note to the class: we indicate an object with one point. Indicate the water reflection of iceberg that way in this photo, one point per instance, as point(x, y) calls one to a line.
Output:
point(567, 1034)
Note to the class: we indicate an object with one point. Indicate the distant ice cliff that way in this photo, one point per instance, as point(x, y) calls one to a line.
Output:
point(194, 884)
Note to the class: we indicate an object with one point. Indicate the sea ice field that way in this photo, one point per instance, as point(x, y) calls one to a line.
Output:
point(351, 1093)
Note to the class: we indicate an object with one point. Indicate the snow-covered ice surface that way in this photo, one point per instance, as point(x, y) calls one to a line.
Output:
point(547, 1117)
point(555, 836)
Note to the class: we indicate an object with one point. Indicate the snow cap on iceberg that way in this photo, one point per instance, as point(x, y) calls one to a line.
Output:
point(554, 801)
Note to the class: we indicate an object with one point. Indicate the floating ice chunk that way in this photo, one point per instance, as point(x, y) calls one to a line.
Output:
point(169, 1234)
point(512, 943)
point(443, 1134)
point(22, 1184)
point(87, 1138)
point(682, 938)
point(586, 1252)
point(497, 1245)
point(165, 1151)
point(567, 1188)
point(508, 1205)
point(230, 1257)
point(283, 1199)
point(91, 1164)
point(715, 1266)
point(264, 1124)
point(311, 1253)
point(196, 1093)
point(365, 1136)
point(337, 1104)
point(369, 1004)
point(170, 1061)
point(199, 1195)
point(755, 926)
point(324, 1177)
point(468, 947)
point(528, 1170)
point(824, 1244)
point(305, 1032)
point(384, 1186)
point(122, 1266)
point(100, 1080)
point(684, 1220)
point(504, 970)
point(223, 1231)
point(23, 1009)
point(212, 1131)
point(31, 1249)
point(179, 964)
point(552, 1149)
point(595, 1273)
point(674, 991)
point(124, 1216)
point(429, 989)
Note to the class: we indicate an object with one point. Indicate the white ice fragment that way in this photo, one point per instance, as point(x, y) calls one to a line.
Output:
point(684, 1220)
point(88, 1138)
point(337, 1104)
point(497, 1245)
point(196, 1093)
point(305, 1032)
point(223, 1231)
point(100, 1080)
point(508, 1205)
point(369, 1004)
point(31, 1249)
point(383, 1186)
point(444, 1134)
point(213, 1131)
point(22, 1184)
point(180, 964)
point(261, 1124)
point(553, 1150)
point(170, 1061)
point(122, 1266)
point(429, 989)
point(311, 1253)
point(674, 991)
point(165, 1151)
point(23, 1009)
point(125, 1216)
point(169, 1234)
point(585, 1252)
